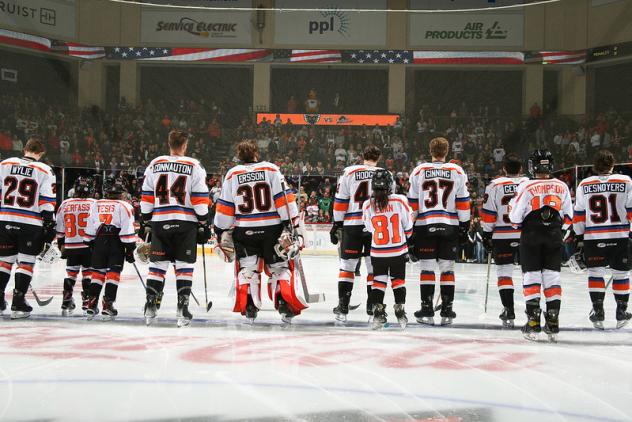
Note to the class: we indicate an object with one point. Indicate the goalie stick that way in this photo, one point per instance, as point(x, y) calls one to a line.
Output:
point(310, 298)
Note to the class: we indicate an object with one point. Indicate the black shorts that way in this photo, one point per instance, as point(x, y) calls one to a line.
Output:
point(356, 242)
point(612, 252)
point(22, 238)
point(173, 241)
point(79, 257)
point(541, 248)
point(505, 251)
point(258, 241)
point(395, 266)
point(108, 252)
point(437, 242)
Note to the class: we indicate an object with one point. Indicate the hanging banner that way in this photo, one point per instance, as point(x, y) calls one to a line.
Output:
point(461, 4)
point(193, 27)
point(47, 17)
point(329, 119)
point(333, 25)
point(466, 29)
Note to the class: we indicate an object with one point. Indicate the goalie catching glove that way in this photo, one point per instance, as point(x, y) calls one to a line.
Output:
point(290, 243)
point(225, 247)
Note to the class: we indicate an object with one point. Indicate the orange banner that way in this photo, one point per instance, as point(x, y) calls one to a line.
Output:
point(330, 119)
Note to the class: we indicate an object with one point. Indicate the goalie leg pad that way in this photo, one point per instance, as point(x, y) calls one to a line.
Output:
point(248, 275)
point(283, 275)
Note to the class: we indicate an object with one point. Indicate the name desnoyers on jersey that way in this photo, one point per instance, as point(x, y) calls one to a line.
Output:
point(175, 188)
point(603, 207)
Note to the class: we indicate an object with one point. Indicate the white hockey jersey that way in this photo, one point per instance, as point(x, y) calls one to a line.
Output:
point(27, 189)
point(495, 210)
point(111, 212)
point(354, 188)
point(532, 195)
point(389, 228)
point(603, 207)
point(438, 194)
point(72, 221)
point(175, 189)
point(252, 197)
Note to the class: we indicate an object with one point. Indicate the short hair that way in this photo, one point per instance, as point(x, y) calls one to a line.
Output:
point(439, 147)
point(177, 139)
point(603, 161)
point(512, 164)
point(35, 146)
point(247, 151)
point(372, 153)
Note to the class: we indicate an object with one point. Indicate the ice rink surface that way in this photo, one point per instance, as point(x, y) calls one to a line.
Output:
point(219, 369)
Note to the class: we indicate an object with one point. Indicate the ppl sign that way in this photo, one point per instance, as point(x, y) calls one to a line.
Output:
point(321, 26)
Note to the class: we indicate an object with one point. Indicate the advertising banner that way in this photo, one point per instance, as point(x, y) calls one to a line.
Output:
point(317, 240)
point(333, 25)
point(466, 29)
point(197, 27)
point(330, 119)
point(461, 4)
point(47, 17)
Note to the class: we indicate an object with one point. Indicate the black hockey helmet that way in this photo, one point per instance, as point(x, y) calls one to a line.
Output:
point(114, 186)
point(83, 187)
point(541, 162)
point(382, 180)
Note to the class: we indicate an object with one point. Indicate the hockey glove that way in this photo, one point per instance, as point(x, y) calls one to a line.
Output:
point(144, 231)
point(412, 251)
point(129, 252)
point(335, 234)
point(48, 227)
point(579, 242)
point(464, 227)
point(487, 241)
point(62, 247)
point(203, 233)
point(225, 247)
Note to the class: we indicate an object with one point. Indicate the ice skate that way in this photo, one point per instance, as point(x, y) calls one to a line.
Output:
point(109, 312)
point(552, 324)
point(251, 311)
point(379, 316)
point(3, 304)
point(151, 309)
point(67, 304)
point(532, 328)
point(184, 317)
point(284, 310)
point(85, 298)
point(597, 315)
point(19, 307)
point(623, 317)
point(400, 314)
point(426, 314)
point(507, 316)
point(447, 314)
point(342, 310)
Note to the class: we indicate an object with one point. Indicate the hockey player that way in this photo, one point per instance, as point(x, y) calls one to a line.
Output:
point(28, 222)
point(72, 220)
point(174, 207)
point(499, 236)
point(354, 188)
point(543, 208)
point(440, 201)
point(111, 237)
point(603, 211)
point(388, 218)
point(253, 204)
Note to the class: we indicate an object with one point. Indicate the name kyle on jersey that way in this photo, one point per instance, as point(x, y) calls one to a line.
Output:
point(173, 168)
point(22, 171)
point(604, 187)
point(434, 173)
point(255, 176)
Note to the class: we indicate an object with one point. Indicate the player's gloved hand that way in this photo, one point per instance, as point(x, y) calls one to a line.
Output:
point(129, 252)
point(464, 227)
point(487, 241)
point(412, 252)
point(579, 242)
point(48, 227)
point(144, 231)
point(203, 232)
point(334, 233)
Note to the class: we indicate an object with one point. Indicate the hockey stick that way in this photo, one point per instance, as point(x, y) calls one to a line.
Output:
point(38, 300)
point(209, 305)
point(140, 278)
point(489, 267)
point(310, 298)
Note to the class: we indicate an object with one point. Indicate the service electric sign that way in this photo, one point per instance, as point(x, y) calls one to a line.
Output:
point(46, 17)
point(334, 24)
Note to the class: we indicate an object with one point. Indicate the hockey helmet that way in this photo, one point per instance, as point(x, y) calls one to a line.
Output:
point(541, 162)
point(114, 186)
point(382, 180)
point(83, 187)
